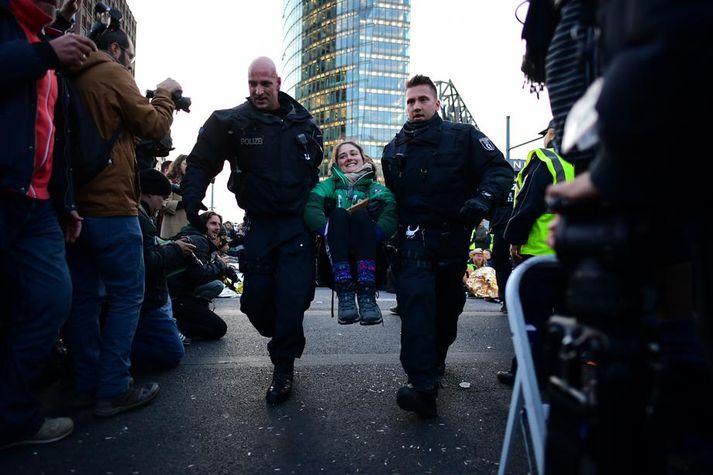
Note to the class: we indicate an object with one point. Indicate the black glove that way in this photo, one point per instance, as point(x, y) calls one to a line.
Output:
point(375, 208)
point(475, 209)
point(179, 205)
point(231, 274)
point(192, 214)
point(329, 205)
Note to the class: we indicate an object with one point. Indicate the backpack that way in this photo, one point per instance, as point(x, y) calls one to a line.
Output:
point(89, 152)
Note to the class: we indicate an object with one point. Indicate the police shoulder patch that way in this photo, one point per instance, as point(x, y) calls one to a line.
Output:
point(487, 144)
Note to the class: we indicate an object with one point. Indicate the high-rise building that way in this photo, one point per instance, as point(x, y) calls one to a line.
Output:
point(347, 62)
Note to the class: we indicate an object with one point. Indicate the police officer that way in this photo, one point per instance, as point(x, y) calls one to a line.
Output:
point(274, 149)
point(526, 231)
point(446, 177)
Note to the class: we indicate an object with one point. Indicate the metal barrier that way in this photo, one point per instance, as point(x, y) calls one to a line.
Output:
point(525, 391)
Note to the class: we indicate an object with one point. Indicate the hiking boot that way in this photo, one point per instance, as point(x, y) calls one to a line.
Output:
point(347, 311)
point(281, 386)
point(420, 402)
point(134, 397)
point(52, 430)
point(184, 339)
point(369, 311)
point(506, 377)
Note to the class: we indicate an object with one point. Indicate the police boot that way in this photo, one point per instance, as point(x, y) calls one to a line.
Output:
point(282, 376)
point(423, 403)
point(347, 311)
point(369, 311)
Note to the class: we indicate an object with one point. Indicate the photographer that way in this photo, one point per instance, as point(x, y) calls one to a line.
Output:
point(157, 342)
point(109, 252)
point(194, 287)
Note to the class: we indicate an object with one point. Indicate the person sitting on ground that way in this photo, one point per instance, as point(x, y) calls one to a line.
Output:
point(193, 288)
point(479, 278)
point(337, 209)
point(157, 342)
point(477, 260)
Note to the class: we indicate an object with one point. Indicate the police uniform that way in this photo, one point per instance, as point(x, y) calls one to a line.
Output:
point(274, 159)
point(542, 288)
point(436, 169)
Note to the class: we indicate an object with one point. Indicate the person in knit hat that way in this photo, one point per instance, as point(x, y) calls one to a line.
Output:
point(157, 342)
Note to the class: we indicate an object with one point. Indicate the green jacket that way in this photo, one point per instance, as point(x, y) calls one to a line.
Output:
point(343, 195)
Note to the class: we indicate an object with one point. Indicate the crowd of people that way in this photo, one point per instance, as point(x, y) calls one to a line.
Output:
point(125, 264)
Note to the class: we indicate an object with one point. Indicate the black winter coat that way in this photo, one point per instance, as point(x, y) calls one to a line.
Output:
point(200, 270)
point(159, 260)
point(274, 160)
point(434, 171)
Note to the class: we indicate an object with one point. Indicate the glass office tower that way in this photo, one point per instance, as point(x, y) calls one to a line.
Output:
point(347, 62)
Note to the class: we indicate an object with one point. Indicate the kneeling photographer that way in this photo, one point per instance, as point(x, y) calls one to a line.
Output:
point(193, 289)
point(630, 388)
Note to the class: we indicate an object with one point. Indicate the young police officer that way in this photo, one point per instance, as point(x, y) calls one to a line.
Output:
point(274, 149)
point(446, 177)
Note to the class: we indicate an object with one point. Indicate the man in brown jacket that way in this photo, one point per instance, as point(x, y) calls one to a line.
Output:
point(106, 262)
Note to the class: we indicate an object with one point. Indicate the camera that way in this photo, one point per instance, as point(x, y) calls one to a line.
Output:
point(148, 150)
point(105, 17)
point(182, 103)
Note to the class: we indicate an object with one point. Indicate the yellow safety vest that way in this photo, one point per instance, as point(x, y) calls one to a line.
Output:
point(561, 171)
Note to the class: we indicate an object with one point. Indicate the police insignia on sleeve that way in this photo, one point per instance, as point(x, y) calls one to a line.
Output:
point(487, 144)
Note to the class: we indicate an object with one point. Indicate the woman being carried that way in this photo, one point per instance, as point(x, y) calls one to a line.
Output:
point(354, 213)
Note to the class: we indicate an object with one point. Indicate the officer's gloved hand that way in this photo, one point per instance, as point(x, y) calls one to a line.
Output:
point(192, 210)
point(474, 210)
point(375, 208)
point(231, 274)
point(329, 205)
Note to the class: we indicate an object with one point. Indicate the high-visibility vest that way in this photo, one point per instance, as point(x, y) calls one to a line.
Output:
point(561, 170)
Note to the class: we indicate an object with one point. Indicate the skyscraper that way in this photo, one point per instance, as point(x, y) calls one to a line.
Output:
point(347, 62)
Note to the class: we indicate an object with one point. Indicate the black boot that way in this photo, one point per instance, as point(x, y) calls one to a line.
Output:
point(347, 311)
point(281, 387)
point(369, 311)
point(423, 403)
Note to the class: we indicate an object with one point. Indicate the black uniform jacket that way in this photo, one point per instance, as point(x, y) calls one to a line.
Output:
point(274, 159)
point(435, 170)
point(159, 260)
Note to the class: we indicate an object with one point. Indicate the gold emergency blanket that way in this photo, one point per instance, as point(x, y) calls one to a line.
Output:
point(481, 283)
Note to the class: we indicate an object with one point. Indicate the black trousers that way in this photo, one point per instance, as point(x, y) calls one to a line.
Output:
point(278, 286)
point(501, 263)
point(351, 235)
point(196, 320)
point(430, 297)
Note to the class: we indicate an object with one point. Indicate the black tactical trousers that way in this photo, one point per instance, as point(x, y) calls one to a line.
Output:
point(278, 286)
point(431, 297)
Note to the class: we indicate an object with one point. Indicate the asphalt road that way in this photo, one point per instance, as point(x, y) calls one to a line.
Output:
point(342, 418)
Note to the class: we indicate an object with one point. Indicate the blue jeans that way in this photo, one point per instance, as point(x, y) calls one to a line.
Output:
point(107, 267)
point(36, 292)
point(156, 343)
point(209, 291)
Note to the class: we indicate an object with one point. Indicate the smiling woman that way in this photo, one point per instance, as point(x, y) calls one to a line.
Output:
point(352, 232)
